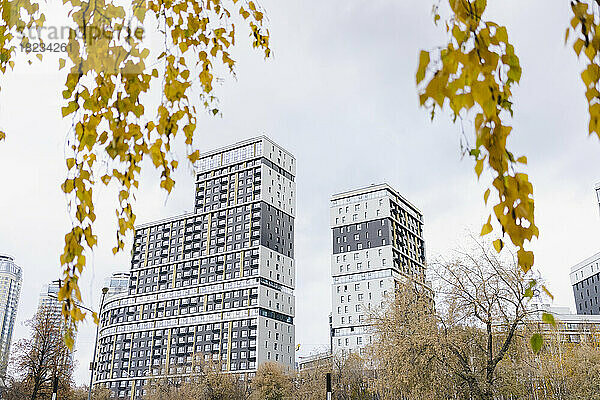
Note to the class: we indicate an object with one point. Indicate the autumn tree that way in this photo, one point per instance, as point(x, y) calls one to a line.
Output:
point(43, 357)
point(407, 348)
point(207, 382)
point(352, 378)
point(311, 382)
point(483, 299)
point(110, 72)
point(272, 382)
point(563, 369)
point(99, 392)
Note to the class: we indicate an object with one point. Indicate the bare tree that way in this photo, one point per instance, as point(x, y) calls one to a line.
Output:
point(43, 357)
point(453, 349)
point(483, 300)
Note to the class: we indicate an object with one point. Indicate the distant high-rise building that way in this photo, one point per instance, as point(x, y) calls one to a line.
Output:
point(377, 245)
point(11, 277)
point(48, 300)
point(585, 280)
point(217, 282)
point(117, 284)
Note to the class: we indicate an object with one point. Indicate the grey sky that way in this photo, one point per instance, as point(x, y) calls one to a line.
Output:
point(339, 94)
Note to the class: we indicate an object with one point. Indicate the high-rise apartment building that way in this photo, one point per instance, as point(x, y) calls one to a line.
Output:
point(585, 280)
point(377, 245)
point(11, 277)
point(217, 282)
point(48, 300)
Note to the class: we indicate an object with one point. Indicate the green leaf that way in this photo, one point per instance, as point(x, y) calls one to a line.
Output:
point(548, 319)
point(536, 342)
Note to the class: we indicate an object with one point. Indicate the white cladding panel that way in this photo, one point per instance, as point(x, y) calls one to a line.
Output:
point(276, 267)
point(356, 211)
point(361, 261)
point(277, 190)
point(585, 269)
point(276, 342)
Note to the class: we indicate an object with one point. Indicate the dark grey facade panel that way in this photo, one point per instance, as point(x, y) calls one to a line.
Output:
point(587, 294)
point(363, 235)
point(276, 230)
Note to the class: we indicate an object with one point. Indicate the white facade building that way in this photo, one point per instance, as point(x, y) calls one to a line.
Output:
point(585, 280)
point(377, 244)
point(48, 300)
point(10, 288)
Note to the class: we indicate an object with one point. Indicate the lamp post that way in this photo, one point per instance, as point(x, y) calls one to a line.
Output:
point(93, 364)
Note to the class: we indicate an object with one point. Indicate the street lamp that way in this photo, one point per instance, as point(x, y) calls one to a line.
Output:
point(93, 364)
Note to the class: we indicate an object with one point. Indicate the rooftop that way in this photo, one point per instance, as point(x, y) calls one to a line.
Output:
point(373, 188)
point(243, 143)
point(585, 262)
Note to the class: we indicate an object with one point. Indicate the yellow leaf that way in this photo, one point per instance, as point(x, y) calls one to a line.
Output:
point(423, 63)
point(69, 108)
point(69, 341)
point(545, 289)
point(194, 156)
point(479, 167)
point(486, 195)
point(487, 227)
point(577, 46)
point(525, 258)
point(498, 245)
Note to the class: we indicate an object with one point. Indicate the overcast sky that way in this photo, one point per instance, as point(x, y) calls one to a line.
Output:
point(340, 95)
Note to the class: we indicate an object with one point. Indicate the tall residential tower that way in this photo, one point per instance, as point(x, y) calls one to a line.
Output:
point(585, 280)
point(377, 245)
point(217, 282)
point(10, 289)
